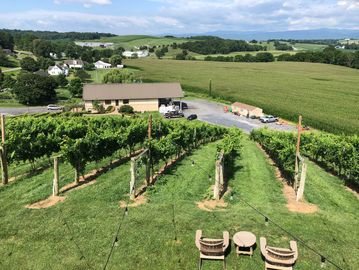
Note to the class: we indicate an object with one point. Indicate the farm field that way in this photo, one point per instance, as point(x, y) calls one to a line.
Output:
point(131, 41)
point(78, 233)
point(325, 95)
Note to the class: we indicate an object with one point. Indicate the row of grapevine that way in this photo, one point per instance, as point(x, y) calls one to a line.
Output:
point(339, 154)
point(83, 139)
point(281, 148)
point(230, 145)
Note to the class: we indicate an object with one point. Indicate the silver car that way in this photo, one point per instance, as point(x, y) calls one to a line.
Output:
point(53, 107)
point(268, 119)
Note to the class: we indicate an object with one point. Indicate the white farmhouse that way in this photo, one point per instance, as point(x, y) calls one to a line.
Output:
point(75, 63)
point(140, 54)
point(101, 64)
point(57, 70)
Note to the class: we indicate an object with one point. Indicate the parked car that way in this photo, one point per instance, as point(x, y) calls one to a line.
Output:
point(174, 114)
point(53, 107)
point(192, 117)
point(268, 119)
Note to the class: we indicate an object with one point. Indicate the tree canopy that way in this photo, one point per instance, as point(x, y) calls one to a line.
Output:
point(32, 89)
point(76, 87)
point(29, 64)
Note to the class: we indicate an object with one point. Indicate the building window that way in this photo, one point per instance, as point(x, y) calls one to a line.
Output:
point(116, 102)
point(108, 102)
point(126, 101)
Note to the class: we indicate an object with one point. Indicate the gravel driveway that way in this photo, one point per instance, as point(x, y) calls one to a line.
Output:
point(212, 112)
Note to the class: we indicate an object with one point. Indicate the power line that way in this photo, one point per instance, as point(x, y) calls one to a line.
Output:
point(267, 219)
point(72, 238)
point(115, 241)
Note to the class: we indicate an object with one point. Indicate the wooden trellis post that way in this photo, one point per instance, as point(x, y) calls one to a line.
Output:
point(55, 187)
point(4, 174)
point(133, 170)
point(303, 176)
point(297, 153)
point(133, 179)
point(300, 172)
point(219, 178)
point(149, 157)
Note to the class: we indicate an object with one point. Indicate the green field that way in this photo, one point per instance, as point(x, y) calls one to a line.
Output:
point(78, 233)
point(131, 41)
point(326, 95)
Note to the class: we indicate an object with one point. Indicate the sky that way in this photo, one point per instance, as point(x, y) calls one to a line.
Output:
point(178, 16)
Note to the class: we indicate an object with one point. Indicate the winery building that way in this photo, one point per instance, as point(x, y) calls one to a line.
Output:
point(141, 96)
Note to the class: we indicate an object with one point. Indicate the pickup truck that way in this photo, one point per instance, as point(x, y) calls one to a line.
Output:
point(174, 114)
point(268, 119)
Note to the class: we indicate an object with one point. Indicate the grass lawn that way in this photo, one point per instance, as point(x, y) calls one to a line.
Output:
point(326, 95)
point(39, 239)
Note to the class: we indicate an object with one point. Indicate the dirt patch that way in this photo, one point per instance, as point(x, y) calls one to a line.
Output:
point(52, 200)
point(212, 205)
point(140, 200)
point(289, 193)
point(356, 194)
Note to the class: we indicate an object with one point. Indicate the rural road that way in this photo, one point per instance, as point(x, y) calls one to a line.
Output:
point(213, 113)
point(11, 69)
point(22, 110)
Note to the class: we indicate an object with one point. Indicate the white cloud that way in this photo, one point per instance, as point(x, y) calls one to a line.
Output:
point(86, 3)
point(78, 21)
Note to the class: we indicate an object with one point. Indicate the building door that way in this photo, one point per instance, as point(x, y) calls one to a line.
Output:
point(117, 102)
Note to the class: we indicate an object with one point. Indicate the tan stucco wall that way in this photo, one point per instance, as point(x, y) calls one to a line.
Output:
point(139, 105)
point(256, 112)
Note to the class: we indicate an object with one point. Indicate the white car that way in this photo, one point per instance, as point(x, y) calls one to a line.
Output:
point(53, 107)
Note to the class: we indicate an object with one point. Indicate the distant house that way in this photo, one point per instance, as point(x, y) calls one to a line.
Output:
point(95, 44)
point(141, 96)
point(340, 47)
point(74, 63)
point(58, 69)
point(100, 64)
point(120, 66)
point(8, 51)
point(246, 110)
point(140, 54)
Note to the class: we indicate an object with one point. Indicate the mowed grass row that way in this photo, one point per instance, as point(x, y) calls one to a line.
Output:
point(326, 95)
point(160, 234)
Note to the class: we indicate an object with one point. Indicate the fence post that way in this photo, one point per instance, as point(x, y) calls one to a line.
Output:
point(133, 179)
point(5, 176)
point(148, 168)
point(77, 176)
point(303, 176)
point(55, 187)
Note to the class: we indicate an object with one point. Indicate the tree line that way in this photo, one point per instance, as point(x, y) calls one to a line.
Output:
point(217, 45)
point(259, 57)
point(329, 55)
point(53, 35)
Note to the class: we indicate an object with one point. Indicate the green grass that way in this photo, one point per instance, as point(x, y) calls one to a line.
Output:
point(38, 239)
point(309, 47)
point(326, 95)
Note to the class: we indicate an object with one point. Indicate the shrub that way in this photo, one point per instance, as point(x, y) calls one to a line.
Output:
point(126, 109)
point(110, 109)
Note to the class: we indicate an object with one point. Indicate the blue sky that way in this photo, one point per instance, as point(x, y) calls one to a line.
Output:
point(178, 16)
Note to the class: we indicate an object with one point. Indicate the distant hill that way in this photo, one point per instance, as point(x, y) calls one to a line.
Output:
point(295, 34)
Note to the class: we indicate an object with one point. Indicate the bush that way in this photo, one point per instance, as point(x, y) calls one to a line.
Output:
point(126, 109)
point(110, 109)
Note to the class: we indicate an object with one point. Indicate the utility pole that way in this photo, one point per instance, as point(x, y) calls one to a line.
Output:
point(5, 176)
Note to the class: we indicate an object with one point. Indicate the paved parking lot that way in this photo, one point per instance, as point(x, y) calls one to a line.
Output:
point(212, 112)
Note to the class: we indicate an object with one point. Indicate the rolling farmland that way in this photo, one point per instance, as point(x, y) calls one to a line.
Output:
point(326, 95)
